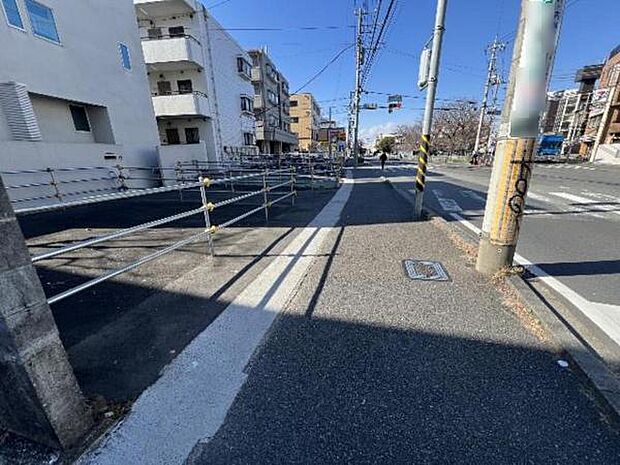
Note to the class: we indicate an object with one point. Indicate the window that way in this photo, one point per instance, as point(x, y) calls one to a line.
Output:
point(192, 135)
point(185, 86)
point(164, 88)
point(176, 31)
point(155, 33)
point(247, 104)
point(42, 21)
point(125, 58)
point(294, 119)
point(294, 103)
point(172, 136)
point(272, 97)
point(243, 67)
point(248, 138)
point(80, 118)
point(11, 11)
point(273, 121)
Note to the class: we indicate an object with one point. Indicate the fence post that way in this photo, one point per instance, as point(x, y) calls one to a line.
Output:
point(293, 191)
point(266, 195)
point(208, 207)
point(55, 184)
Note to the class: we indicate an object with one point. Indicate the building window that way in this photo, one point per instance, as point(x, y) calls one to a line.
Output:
point(42, 21)
point(164, 88)
point(247, 104)
point(192, 135)
point(80, 118)
point(243, 67)
point(155, 33)
point(294, 119)
point(294, 103)
point(125, 58)
point(272, 97)
point(248, 138)
point(11, 10)
point(176, 31)
point(172, 136)
point(185, 86)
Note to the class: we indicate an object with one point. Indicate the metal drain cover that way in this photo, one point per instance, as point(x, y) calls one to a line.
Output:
point(425, 270)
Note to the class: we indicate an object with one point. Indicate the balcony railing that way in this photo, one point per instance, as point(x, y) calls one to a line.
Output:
point(172, 50)
point(180, 103)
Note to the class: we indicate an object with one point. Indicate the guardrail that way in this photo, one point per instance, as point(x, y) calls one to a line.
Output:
point(271, 183)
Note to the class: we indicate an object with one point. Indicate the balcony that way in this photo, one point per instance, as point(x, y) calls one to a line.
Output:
point(168, 53)
point(181, 104)
point(147, 9)
point(258, 101)
point(256, 74)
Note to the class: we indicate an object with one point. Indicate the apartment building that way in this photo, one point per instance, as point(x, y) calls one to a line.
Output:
point(271, 106)
point(605, 117)
point(200, 80)
point(73, 86)
point(305, 121)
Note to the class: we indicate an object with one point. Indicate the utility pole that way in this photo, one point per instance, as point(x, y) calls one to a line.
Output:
point(359, 61)
point(533, 56)
point(492, 79)
point(431, 92)
point(329, 134)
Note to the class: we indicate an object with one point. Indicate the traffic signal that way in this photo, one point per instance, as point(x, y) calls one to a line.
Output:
point(395, 102)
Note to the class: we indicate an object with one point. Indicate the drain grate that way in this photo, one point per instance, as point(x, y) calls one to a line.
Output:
point(425, 270)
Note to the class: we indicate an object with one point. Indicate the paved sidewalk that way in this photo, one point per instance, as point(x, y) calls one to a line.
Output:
point(367, 366)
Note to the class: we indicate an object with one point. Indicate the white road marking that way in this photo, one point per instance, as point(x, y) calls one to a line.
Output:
point(448, 205)
point(605, 316)
point(190, 400)
point(586, 201)
point(475, 196)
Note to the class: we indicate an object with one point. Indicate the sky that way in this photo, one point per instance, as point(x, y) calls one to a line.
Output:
point(590, 30)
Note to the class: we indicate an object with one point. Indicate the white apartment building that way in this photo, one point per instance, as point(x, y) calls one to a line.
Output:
point(73, 86)
point(200, 80)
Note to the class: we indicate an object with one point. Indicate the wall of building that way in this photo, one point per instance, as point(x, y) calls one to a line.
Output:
point(229, 86)
point(86, 68)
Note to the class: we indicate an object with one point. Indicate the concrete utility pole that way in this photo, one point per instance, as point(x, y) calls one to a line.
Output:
point(533, 56)
point(359, 62)
point(431, 92)
point(491, 81)
point(329, 134)
point(39, 396)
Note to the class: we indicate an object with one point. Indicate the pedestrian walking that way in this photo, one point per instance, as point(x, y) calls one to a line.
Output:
point(383, 159)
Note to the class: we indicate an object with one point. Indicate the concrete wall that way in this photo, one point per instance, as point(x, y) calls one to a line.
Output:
point(85, 67)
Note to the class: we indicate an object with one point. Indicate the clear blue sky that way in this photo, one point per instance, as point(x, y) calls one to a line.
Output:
point(591, 29)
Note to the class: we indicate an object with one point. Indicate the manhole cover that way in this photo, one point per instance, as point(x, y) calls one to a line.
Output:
point(425, 270)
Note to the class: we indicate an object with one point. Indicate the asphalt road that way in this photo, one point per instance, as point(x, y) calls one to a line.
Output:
point(572, 225)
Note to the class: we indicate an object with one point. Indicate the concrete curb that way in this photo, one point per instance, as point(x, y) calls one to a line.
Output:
point(605, 385)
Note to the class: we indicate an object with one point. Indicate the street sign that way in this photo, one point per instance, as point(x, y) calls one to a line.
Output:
point(395, 102)
point(370, 106)
point(425, 68)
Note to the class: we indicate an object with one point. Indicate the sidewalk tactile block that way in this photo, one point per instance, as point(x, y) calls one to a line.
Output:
point(425, 270)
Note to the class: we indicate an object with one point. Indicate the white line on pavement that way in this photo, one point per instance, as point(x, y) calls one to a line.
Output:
point(586, 201)
point(605, 316)
point(190, 400)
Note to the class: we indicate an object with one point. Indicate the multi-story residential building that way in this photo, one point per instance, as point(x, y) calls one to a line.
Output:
point(604, 123)
point(200, 80)
point(271, 106)
point(305, 121)
point(73, 86)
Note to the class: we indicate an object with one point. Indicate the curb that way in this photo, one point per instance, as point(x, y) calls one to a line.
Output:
point(605, 385)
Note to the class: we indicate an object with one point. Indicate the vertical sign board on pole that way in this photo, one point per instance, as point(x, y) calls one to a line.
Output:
point(542, 23)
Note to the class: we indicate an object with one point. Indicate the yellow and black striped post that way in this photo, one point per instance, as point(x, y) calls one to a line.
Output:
point(420, 179)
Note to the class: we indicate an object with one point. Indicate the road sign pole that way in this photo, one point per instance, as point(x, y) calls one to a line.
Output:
point(532, 60)
point(431, 92)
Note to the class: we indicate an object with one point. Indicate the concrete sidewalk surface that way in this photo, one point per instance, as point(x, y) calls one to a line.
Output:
point(344, 359)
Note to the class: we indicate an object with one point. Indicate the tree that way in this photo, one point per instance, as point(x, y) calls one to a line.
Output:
point(455, 129)
point(409, 137)
point(387, 145)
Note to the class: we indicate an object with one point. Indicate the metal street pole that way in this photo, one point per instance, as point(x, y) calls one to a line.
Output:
point(533, 56)
point(431, 92)
point(359, 59)
point(329, 133)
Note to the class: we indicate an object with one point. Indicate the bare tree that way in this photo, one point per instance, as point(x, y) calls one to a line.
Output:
point(409, 137)
point(455, 129)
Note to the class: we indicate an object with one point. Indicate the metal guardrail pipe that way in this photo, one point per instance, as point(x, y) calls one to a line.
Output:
point(131, 194)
